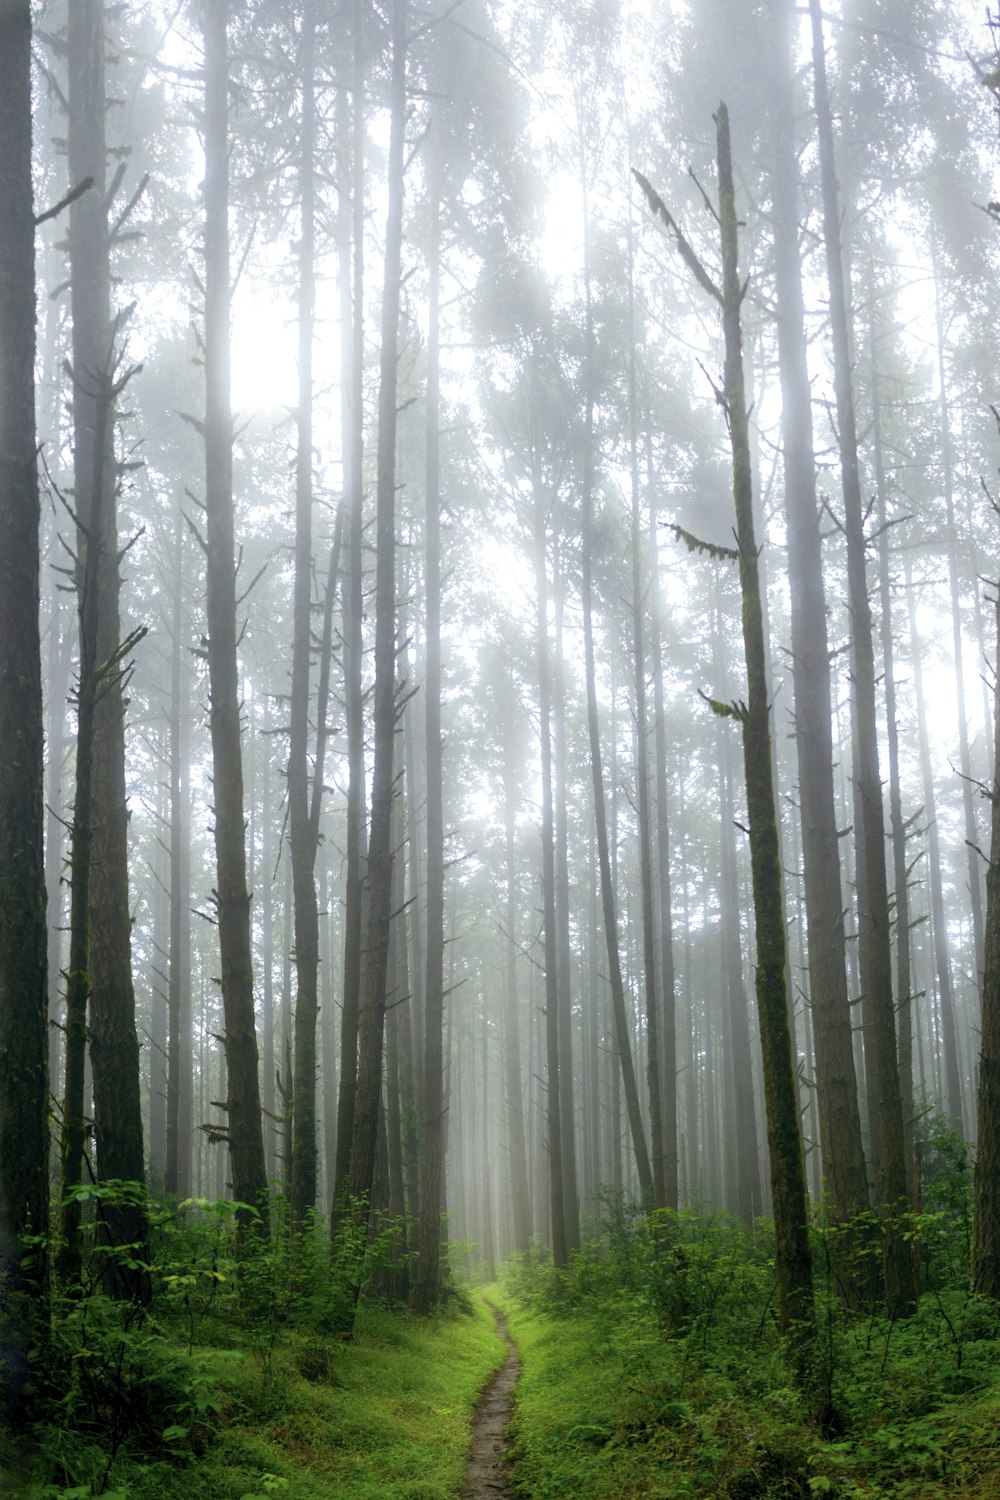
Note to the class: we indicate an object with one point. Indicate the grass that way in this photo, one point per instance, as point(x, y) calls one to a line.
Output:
point(610, 1406)
point(383, 1418)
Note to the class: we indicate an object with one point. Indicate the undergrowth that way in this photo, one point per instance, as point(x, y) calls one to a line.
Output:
point(652, 1365)
point(240, 1381)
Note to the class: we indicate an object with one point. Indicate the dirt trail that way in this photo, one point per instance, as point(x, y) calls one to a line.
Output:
point(487, 1474)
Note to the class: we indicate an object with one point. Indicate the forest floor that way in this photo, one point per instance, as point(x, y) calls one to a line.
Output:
point(632, 1375)
point(488, 1473)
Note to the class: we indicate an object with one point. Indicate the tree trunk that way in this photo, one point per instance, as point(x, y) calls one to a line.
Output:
point(427, 1284)
point(986, 1178)
point(114, 1043)
point(874, 920)
point(898, 825)
point(952, 1094)
point(836, 1085)
point(352, 192)
point(371, 1026)
point(303, 1166)
point(664, 909)
point(557, 1216)
point(564, 961)
point(242, 1127)
point(623, 1040)
point(23, 999)
point(180, 1064)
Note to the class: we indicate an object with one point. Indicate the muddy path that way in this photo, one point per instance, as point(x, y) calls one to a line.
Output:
point(489, 1466)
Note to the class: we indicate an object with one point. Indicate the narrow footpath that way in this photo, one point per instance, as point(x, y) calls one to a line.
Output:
point(489, 1466)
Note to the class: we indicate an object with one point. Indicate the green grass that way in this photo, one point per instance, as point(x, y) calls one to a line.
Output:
point(385, 1417)
point(609, 1408)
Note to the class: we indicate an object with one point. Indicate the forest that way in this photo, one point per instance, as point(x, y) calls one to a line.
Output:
point(499, 783)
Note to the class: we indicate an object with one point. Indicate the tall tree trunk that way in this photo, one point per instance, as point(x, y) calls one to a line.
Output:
point(640, 1147)
point(784, 1138)
point(791, 1219)
point(427, 1284)
point(564, 961)
point(520, 1202)
point(114, 1043)
point(372, 1021)
point(649, 965)
point(972, 853)
point(874, 920)
point(352, 212)
point(23, 1000)
point(303, 1173)
point(986, 1178)
point(180, 1065)
point(897, 824)
point(557, 1179)
point(952, 1093)
point(664, 909)
point(232, 898)
point(836, 1085)
point(749, 1196)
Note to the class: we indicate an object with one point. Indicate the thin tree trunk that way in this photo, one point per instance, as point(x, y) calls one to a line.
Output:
point(952, 1096)
point(303, 1166)
point(640, 1147)
point(664, 912)
point(898, 826)
point(180, 1066)
point(564, 962)
point(986, 1177)
point(427, 1284)
point(972, 854)
point(380, 856)
point(352, 192)
point(232, 898)
point(836, 1084)
point(874, 920)
point(557, 1217)
point(652, 997)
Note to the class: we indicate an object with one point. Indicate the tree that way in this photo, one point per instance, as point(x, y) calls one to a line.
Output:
point(843, 1158)
point(380, 853)
point(793, 1255)
point(302, 834)
point(114, 1043)
point(242, 1130)
point(874, 921)
point(23, 1005)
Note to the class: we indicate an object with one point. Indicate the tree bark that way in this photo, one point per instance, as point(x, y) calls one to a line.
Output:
point(986, 1172)
point(874, 920)
point(243, 1126)
point(557, 1215)
point(427, 1284)
point(352, 193)
point(303, 1166)
point(843, 1158)
point(23, 999)
point(380, 855)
